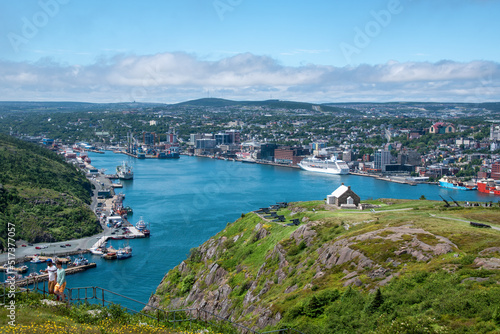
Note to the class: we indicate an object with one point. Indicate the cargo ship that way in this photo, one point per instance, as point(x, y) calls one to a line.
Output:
point(488, 186)
point(124, 172)
point(452, 182)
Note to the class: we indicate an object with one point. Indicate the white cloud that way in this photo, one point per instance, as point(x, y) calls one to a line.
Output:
point(172, 77)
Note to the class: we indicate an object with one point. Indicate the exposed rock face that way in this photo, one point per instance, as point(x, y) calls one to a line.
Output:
point(214, 290)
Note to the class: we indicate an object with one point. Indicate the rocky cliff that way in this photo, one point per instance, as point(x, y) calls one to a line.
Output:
point(256, 271)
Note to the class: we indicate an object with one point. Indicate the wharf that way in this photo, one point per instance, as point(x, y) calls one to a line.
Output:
point(95, 151)
point(260, 162)
point(395, 179)
point(44, 258)
point(16, 269)
point(44, 277)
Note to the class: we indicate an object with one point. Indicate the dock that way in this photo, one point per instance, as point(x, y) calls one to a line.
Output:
point(45, 258)
point(45, 277)
point(16, 269)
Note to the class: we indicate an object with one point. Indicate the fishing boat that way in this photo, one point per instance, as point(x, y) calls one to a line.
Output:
point(124, 253)
point(140, 225)
point(452, 182)
point(488, 186)
point(330, 166)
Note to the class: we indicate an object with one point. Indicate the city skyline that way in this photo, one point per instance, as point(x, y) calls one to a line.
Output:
point(62, 50)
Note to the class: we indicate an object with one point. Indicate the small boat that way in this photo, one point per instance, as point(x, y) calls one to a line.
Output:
point(140, 225)
point(80, 261)
point(124, 253)
point(110, 256)
point(36, 259)
point(96, 251)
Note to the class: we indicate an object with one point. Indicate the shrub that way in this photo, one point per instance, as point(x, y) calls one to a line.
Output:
point(187, 283)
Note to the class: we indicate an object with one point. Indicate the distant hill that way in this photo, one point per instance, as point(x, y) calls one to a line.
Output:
point(410, 267)
point(271, 104)
point(43, 196)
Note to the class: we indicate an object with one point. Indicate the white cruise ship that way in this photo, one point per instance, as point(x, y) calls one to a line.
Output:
point(331, 166)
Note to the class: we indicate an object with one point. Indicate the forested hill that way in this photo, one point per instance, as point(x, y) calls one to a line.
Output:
point(46, 198)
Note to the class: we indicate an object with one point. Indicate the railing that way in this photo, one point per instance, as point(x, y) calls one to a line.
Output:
point(101, 295)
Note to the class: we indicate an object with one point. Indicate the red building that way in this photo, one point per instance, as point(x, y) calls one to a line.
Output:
point(495, 171)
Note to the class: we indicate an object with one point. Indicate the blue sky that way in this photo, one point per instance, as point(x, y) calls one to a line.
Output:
point(317, 51)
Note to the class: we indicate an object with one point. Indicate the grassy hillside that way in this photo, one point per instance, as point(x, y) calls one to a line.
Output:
point(35, 315)
point(43, 196)
point(419, 269)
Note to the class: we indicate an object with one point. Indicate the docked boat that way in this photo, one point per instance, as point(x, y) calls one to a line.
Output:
point(452, 182)
point(36, 259)
point(110, 256)
point(124, 253)
point(124, 172)
point(329, 166)
point(80, 261)
point(488, 186)
point(97, 251)
point(140, 225)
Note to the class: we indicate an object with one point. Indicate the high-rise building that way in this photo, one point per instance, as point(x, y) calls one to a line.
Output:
point(222, 139)
point(495, 170)
point(382, 158)
point(148, 138)
point(267, 151)
point(205, 143)
point(193, 137)
point(495, 132)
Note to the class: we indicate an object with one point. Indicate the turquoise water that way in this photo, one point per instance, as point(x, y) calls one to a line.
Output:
point(190, 199)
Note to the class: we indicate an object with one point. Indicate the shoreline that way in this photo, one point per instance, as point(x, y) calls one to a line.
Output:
point(78, 246)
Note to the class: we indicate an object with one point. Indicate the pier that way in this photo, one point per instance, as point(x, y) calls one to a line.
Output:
point(45, 258)
point(44, 277)
point(16, 269)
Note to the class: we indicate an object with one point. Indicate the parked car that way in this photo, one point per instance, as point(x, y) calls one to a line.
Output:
point(30, 244)
point(63, 246)
point(38, 247)
point(68, 245)
point(23, 245)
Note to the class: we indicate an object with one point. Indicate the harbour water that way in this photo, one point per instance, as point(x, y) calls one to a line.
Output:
point(188, 200)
